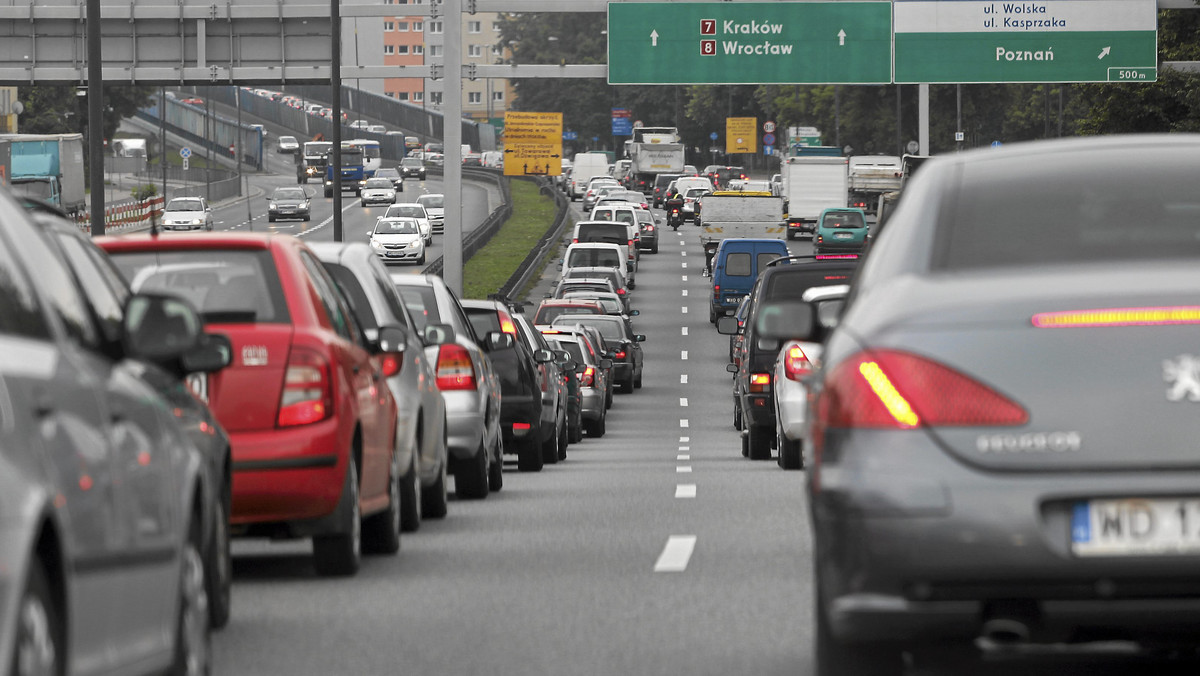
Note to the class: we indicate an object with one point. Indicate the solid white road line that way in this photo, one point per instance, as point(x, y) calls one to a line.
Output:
point(676, 554)
point(683, 469)
point(685, 490)
point(683, 401)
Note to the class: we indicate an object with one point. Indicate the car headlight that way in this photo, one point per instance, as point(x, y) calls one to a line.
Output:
point(376, 244)
point(273, 205)
point(197, 221)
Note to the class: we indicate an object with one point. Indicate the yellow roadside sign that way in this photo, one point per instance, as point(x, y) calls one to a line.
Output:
point(741, 135)
point(532, 144)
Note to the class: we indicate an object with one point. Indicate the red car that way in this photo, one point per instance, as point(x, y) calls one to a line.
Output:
point(311, 421)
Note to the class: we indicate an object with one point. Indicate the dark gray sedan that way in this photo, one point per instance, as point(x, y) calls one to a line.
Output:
point(288, 202)
point(1004, 438)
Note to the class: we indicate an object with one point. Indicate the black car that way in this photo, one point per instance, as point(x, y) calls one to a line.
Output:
point(393, 174)
point(659, 189)
point(412, 167)
point(753, 402)
point(289, 202)
point(622, 341)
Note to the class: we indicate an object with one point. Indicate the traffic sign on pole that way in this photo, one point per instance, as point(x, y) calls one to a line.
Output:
point(749, 43)
point(185, 152)
point(741, 135)
point(970, 41)
point(769, 126)
point(532, 144)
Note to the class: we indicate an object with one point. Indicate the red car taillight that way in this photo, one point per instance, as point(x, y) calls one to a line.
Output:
point(521, 427)
point(587, 377)
point(390, 363)
point(454, 368)
point(307, 390)
point(506, 323)
point(892, 389)
point(620, 292)
point(716, 290)
point(760, 382)
point(620, 355)
point(796, 364)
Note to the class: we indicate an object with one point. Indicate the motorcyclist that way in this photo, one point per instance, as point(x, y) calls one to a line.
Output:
point(673, 204)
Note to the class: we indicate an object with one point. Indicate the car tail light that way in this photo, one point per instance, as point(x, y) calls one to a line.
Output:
point(760, 382)
point(521, 427)
point(796, 364)
point(455, 371)
point(575, 240)
point(620, 355)
point(587, 377)
point(307, 390)
point(716, 290)
point(506, 323)
point(649, 228)
point(892, 389)
point(820, 238)
point(390, 363)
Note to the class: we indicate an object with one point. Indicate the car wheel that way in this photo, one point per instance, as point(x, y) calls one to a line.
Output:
point(434, 498)
point(637, 382)
point(495, 479)
point(550, 445)
point(575, 434)
point(712, 316)
point(421, 260)
point(628, 385)
point(220, 565)
point(381, 532)
point(362, 203)
point(307, 218)
point(270, 218)
point(471, 479)
point(737, 416)
point(410, 497)
point(529, 455)
point(563, 440)
point(341, 553)
point(608, 397)
point(654, 249)
point(790, 235)
point(745, 445)
point(329, 193)
point(193, 631)
point(759, 439)
point(599, 427)
point(38, 644)
point(790, 452)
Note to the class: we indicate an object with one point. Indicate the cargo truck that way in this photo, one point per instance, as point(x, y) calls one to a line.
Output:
point(48, 167)
point(812, 182)
point(871, 176)
point(653, 151)
point(354, 172)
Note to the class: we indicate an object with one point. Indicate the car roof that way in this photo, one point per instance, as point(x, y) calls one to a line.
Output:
point(213, 240)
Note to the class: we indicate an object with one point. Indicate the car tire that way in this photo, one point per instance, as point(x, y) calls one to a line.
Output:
point(791, 454)
point(654, 249)
point(307, 218)
point(637, 382)
point(193, 631)
point(575, 433)
point(563, 441)
point(495, 478)
point(745, 444)
point(712, 316)
point(220, 565)
point(39, 640)
point(759, 440)
point(790, 234)
point(737, 416)
point(341, 553)
point(628, 385)
point(381, 532)
point(550, 448)
point(598, 427)
point(329, 193)
point(529, 455)
point(410, 496)
point(421, 260)
point(434, 498)
point(362, 203)
point(270, 217)
point(471, 478)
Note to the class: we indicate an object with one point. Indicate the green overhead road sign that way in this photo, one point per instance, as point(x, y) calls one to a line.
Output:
point(1051, 41)
point(750, 43)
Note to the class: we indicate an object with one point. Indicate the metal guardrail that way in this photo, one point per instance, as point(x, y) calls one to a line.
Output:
point(545, 245)
point(480, 236)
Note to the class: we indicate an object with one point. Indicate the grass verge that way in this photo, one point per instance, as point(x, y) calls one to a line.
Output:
point(490, 267)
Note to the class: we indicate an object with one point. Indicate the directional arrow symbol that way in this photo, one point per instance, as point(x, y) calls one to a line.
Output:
point(653, 38)
point(1104, 52)
point(841, 38)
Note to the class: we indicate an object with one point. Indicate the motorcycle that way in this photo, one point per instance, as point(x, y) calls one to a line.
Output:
point(675, 218)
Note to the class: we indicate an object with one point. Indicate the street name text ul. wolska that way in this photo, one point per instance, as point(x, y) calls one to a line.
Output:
point(736, 47)
point(1020, 16)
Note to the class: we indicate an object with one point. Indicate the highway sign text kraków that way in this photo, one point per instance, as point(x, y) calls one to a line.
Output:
point(749, 43)
point(1049, 41)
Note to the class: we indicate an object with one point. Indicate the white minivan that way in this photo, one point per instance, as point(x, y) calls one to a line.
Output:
point(586, 166)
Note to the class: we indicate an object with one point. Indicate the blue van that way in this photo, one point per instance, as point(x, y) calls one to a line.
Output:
point(735, 266)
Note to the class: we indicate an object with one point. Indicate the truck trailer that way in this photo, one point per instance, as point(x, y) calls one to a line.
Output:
point(812, 183)
point(48, 167)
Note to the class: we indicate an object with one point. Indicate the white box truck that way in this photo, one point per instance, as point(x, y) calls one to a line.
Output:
point(811, 184)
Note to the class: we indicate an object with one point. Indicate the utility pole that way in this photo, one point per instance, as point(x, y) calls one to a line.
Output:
point(95, 116)
point(335, 14)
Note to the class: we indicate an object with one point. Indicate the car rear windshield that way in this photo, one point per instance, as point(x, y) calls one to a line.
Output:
point(483, 320)
point(800, 278)
point(421, 303)
point(620, 215)
point(435, 201)
point(603, 232)
point(1075, 207)
point(570, 345)
point(406, 212)
point(843, 219)
point(610, 329)
point(606, 258)
point(737, 264)
point(227, 286)
point(548, 314)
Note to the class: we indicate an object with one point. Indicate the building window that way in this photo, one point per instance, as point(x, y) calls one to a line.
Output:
point(418, 49)
point(435, 50)
point(403, 96)
point(418, 96)
point(435, 27)
point(391, 95)
point(417, 26)
point(474, 98)
point(402, 27)
point(497, 50)
point(498, 96)
point(495, 26)
point(435, 98)
point(389, 49)
point(389, 26)
point(475, 51)
point(401, 49)
point(474, 26)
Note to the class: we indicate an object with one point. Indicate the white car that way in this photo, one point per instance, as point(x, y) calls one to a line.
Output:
point(796, 360)
point(398, 240)
point(359, 124)
point(412, 210)
point(377, 191)
point(187, 213)
point(435, 206)
point(287, 144)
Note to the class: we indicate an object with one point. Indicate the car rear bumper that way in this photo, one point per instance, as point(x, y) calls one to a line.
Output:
point(830, 246)
point(287, 474)
point(593, 403)
point(464, 423)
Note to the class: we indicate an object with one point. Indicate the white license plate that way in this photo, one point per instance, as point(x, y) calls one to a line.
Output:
point(842, 235)
point(198, 384)
point(1136, 527)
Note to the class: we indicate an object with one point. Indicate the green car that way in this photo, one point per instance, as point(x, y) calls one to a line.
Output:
point(840, 230)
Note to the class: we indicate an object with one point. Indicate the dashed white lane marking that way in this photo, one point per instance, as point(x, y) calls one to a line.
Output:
point(685, 448)
point(683, 469)
point(685, 278)
point(685, 292)
point(683, 422)
point(682, 253)
point(683, 379)
point(683, 401)
point(683, 330)
point(683, 456)
point(683, 265)
point(676, 554)
point(684, 440)
point(683, 354)
point(685, 490)
point(684, 309)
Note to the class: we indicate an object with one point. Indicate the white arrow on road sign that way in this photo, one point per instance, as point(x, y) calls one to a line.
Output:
point(1104, 52)
point(653, 38)
point(841, 38)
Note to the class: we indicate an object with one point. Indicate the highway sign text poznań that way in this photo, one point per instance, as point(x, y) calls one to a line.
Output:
point(749, 43)
point(532, 144)
point(1049, 41)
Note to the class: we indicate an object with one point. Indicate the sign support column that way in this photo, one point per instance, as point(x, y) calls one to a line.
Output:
point(452, 244)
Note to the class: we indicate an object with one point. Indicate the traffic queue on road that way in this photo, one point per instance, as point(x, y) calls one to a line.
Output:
point(185, 390)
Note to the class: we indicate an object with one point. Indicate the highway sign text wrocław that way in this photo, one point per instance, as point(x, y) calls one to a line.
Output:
point(532, 144)
point(1048, 41)
point(750, 43)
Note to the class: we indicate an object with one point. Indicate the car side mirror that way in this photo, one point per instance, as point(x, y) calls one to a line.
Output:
point(727, 325)
point(160, 328)
point(606, 363)
point(213, 353)
point(639, 338)
point(498, 340)
point(634, 313)
point(731, 368)
point(785, 320)
point(438, 334)
point(391, 339)
point(543, 356)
